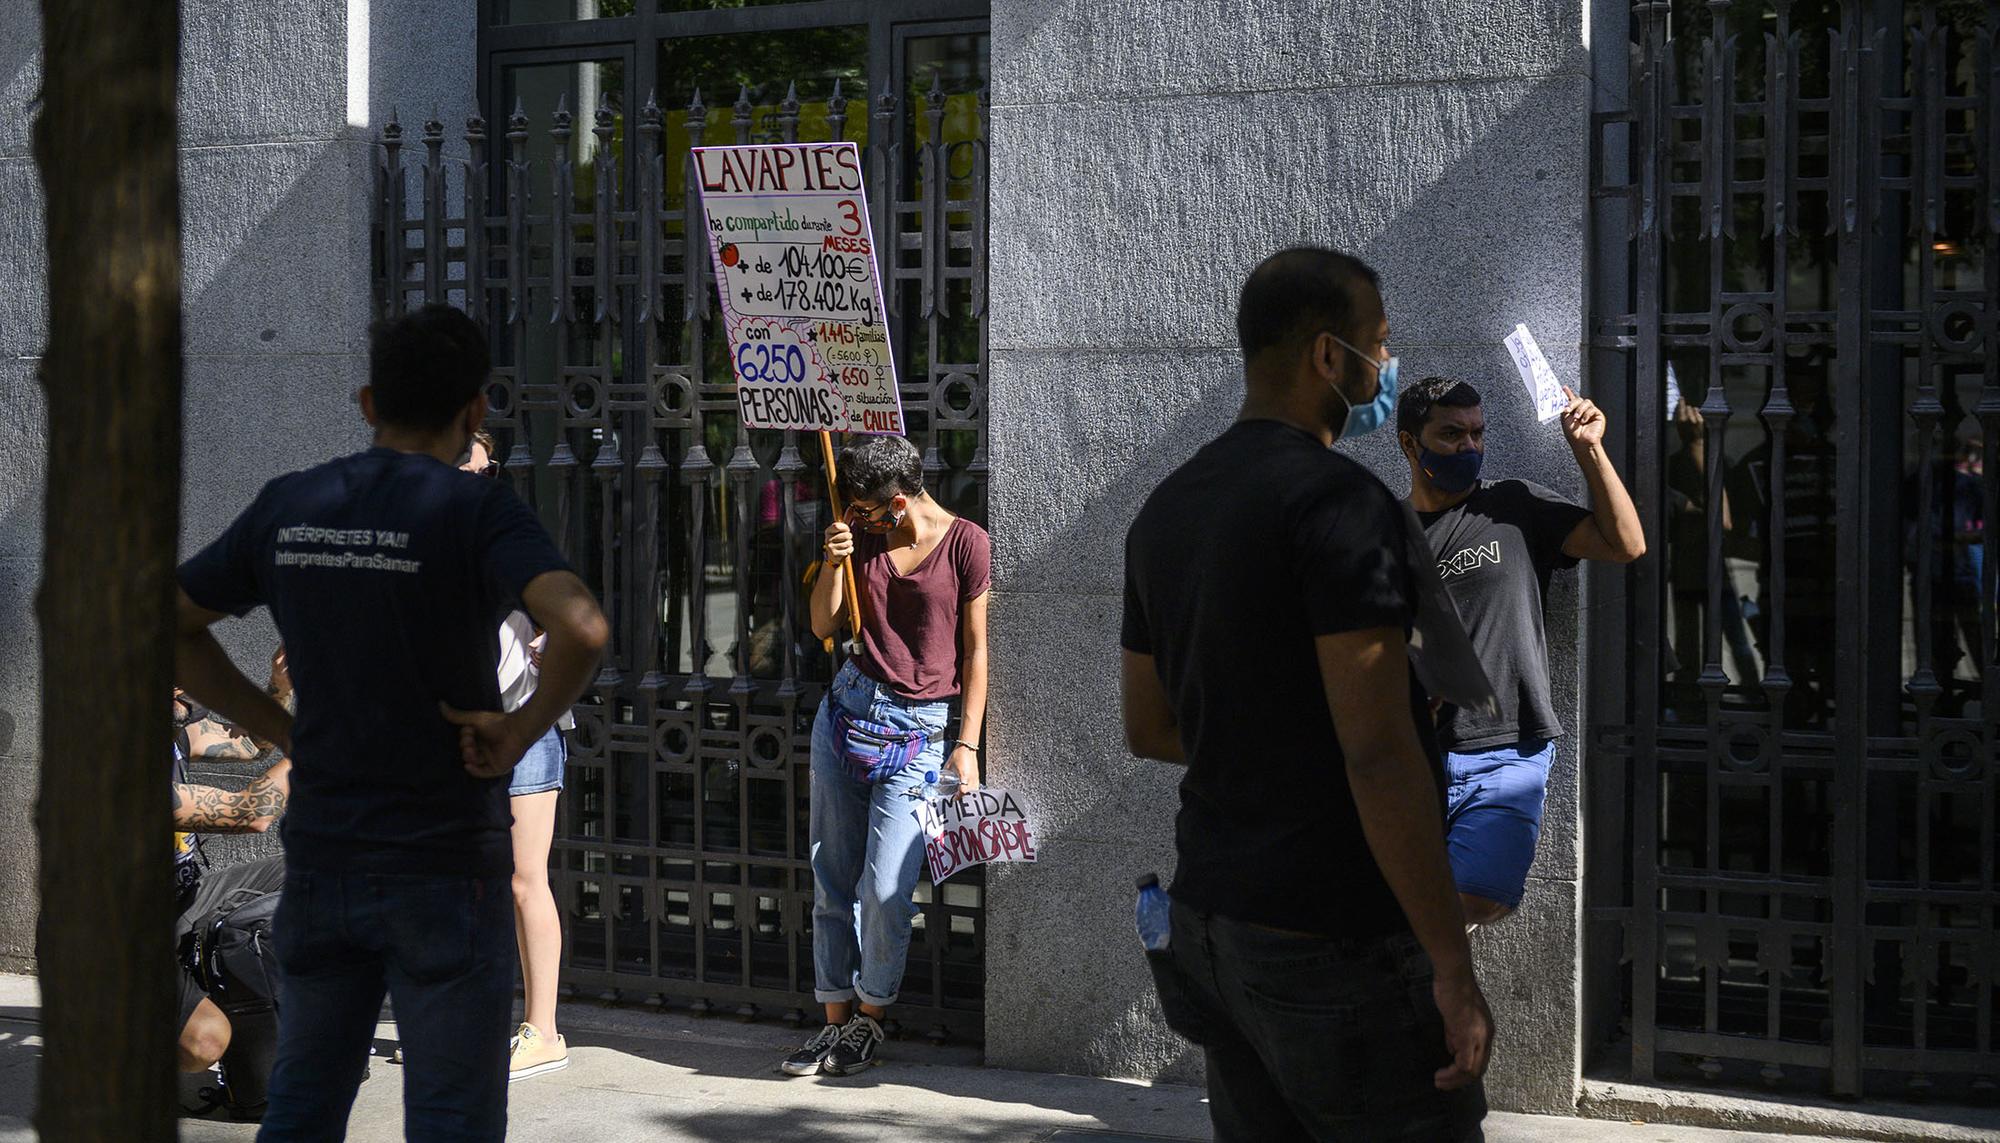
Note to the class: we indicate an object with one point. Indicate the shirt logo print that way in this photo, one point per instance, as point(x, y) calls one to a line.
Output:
point(1469, 558)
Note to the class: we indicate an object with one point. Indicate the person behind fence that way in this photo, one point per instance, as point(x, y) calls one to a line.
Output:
point(537, 1048)
point(207, 1032)
point(387, 573)
point(882, 728)
point(1313, 945)
point(1497, 543)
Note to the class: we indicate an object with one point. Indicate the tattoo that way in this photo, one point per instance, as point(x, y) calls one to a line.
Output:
point(265, 796)
point(213, 739)
point(225, 811)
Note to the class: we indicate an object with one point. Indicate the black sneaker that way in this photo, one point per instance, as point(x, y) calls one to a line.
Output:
point(809, 1059)
point(855, 1050)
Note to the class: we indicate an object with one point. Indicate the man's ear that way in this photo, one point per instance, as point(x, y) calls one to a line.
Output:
point(475, 414)
point(1326, 358)
point(367, 399)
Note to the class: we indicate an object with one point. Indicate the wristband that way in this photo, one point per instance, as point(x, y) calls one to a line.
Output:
point(969, 746)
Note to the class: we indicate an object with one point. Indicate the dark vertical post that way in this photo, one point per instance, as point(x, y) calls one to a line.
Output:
point(1854, 205)
point(520, 455)
point(979, 467)
point(437, 259)
point(562, 463)
point(696, 465)
point(1654, 95)
point(104, 144)
point(395, 253)
point(650, 472)
point(475, 190)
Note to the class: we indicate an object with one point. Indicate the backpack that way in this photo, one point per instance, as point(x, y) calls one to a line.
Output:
point(233, 960)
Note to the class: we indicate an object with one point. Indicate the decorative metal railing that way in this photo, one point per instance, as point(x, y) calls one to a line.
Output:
point(1797, 210)
point(681, 853)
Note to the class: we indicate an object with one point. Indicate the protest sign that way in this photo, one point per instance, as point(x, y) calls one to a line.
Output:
point(801, 292)
point(1543, 388)
point(973, 829)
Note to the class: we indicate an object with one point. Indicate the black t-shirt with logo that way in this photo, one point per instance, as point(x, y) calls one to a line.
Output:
point(1264, 540)
point(1496, 550)
point(387, 574)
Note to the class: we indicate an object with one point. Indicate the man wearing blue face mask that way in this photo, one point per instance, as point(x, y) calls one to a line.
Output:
point(1497, 542)
point(1316, 946)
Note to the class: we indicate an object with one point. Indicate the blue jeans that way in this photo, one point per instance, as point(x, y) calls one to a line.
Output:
point(867, 846)
point(1493, 817)
point(443, 949)
point(1312, 1039)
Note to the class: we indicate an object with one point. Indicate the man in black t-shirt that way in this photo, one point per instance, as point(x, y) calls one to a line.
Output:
point(1497, 542)
point(1317, 953)
point(387, 573)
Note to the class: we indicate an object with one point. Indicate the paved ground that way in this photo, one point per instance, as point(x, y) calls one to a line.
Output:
point(639, 1076)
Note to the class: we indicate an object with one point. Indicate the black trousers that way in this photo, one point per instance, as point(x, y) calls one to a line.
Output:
point(1313, 1039)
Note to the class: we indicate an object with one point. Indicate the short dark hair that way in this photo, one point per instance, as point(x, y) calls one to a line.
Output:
point(1413, 408)
point(425, 366)
point(1299, 292)
point(877, 468)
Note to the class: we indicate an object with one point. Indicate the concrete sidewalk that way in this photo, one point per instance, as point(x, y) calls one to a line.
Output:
point(667, 1078)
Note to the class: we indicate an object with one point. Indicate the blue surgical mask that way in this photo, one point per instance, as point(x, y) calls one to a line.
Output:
point(1365, 419)
point(1451, 472)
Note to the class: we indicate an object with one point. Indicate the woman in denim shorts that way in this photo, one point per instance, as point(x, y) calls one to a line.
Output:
point(532, 792)
point(923, 575)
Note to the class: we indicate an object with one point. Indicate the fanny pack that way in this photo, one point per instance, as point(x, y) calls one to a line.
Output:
point(873, 751)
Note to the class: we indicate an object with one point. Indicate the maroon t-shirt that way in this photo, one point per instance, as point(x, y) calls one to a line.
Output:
point(910, 623)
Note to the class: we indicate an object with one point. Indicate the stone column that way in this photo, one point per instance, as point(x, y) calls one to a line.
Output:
point(279, 104)
point(1142, 163)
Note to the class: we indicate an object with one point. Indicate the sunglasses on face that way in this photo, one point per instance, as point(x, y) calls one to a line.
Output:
point(882, 514)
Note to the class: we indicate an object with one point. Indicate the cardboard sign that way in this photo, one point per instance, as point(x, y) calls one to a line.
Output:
point(1543, 388)
point(973, 829)
point(800, 288)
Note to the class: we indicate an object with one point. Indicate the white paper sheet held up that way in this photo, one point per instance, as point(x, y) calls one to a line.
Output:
point(1543, 388)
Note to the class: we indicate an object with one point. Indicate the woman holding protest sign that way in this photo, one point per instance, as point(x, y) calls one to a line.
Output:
point(922, 576)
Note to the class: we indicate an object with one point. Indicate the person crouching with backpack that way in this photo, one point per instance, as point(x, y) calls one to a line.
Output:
point(923, 576)
point(241, 1040)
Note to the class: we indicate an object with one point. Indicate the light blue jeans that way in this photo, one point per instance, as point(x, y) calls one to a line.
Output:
point(867, 846)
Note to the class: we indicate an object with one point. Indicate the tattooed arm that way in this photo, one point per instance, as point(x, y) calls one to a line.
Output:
point(214, 740)
point(249, 810)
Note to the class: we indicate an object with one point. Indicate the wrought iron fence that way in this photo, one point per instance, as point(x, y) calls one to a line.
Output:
point(1798, 204)
point(681, 853)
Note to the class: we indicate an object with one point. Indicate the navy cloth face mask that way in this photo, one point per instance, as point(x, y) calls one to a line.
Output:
point(1451, 473)
point(1365, 419)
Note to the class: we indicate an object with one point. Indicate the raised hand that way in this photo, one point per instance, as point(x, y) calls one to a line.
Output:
point(1582, 422)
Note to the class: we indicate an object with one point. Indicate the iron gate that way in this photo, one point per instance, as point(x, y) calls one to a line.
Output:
point(681, 853)
point(1796, 209)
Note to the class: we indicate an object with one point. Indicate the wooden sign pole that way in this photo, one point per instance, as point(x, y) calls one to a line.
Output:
point(833, 499)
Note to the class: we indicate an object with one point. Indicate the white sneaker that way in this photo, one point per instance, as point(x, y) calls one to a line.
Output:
point(533, 1054)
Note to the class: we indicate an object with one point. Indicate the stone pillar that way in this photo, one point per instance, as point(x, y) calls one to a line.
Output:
point(1142, 163)
point(279, 104)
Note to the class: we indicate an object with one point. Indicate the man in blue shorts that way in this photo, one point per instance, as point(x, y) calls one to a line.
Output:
point(388, 572)
point(1497, 542)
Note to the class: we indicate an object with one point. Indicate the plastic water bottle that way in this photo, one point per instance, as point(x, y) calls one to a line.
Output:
point(1155, 924)
point(939, 787)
